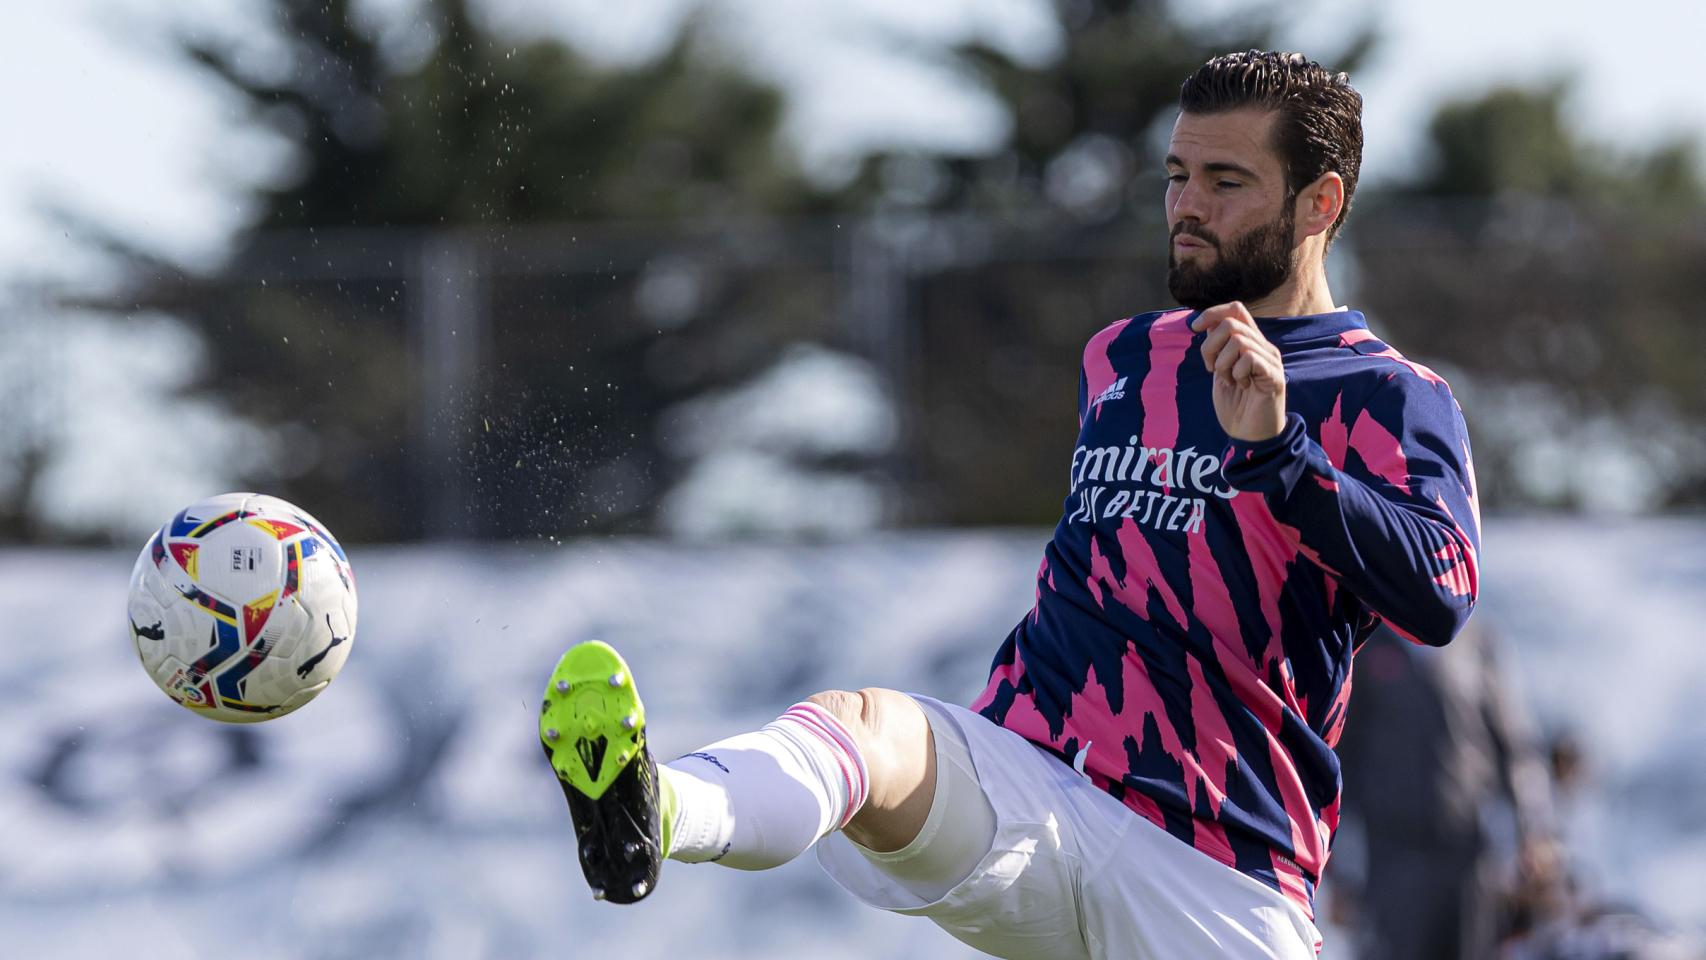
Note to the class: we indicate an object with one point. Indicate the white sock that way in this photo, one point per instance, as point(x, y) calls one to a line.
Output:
point(758, 800)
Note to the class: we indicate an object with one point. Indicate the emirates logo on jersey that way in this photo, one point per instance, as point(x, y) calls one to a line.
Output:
point(1110, 483)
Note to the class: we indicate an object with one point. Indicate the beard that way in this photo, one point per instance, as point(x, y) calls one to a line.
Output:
point(1252, 267)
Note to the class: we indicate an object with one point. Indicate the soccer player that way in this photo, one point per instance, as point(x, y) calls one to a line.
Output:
point(1149, 773)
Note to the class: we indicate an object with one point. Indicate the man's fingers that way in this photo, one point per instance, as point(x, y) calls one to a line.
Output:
point(1235, 349)
point(1245, 362)
point(1266, 368)
point(1213, 316)
point(1223, 323)
point(1244, 369)
point(1245, 358)
point(1228, 357)
point(1214, 343)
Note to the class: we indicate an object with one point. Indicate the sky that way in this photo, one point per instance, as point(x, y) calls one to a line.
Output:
point(100, 121)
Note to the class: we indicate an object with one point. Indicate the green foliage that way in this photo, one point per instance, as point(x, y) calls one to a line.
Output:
point(1509, 139)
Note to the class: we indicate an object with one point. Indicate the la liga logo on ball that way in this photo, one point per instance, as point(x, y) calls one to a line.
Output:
point(242, 607)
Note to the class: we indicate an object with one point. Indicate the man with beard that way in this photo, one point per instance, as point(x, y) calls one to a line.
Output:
point(1149, 772)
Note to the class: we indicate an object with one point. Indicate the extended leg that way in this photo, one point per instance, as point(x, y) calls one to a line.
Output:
point(863, 762)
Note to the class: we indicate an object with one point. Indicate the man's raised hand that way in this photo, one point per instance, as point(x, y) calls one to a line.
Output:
point(1249, 376)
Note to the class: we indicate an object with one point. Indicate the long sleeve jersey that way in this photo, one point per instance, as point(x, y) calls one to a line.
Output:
point(1199, 603)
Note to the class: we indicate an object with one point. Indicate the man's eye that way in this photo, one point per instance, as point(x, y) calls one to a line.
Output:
point(1175, 178)
point(1228, 184)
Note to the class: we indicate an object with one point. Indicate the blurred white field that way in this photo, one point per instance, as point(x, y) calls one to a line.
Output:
point(407, 812)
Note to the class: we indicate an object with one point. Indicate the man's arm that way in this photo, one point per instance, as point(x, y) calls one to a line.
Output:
point(1397, 525)
point(1405, 543)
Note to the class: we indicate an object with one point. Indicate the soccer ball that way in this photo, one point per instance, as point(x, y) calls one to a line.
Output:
point(242, 607)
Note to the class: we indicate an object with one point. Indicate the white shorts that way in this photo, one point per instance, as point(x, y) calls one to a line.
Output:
point(1073, 874)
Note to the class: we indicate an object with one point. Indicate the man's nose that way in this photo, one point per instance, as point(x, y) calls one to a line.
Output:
point(1188, 203)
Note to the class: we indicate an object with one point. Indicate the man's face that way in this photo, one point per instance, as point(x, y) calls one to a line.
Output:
point(1229, 215)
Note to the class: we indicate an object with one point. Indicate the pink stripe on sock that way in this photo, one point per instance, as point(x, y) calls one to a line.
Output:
point(829, 739)
point(843, 737)
point(826, 728)
point(835, 749)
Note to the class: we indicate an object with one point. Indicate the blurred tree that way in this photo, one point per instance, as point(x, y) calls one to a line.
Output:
point(1561, 277)
point(1519, 141)
point(1508, 140)
point(331, 325)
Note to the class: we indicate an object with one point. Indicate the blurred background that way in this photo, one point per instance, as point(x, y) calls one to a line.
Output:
point(743, 334)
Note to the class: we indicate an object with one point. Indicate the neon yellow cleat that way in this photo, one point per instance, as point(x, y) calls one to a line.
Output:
point(593, 728)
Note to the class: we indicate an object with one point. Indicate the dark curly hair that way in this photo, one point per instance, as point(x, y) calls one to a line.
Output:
point(1319, 128)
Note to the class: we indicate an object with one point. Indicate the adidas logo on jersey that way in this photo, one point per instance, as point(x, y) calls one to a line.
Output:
point(1115, 391)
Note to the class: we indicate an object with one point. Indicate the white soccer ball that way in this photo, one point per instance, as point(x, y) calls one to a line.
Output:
point(242, 607)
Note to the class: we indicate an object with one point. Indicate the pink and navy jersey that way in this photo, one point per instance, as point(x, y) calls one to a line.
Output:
point(1198, 605)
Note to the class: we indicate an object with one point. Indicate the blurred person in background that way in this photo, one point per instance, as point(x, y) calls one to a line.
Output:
point(1572, 917)
point(1448, 784)
point(1149, 771)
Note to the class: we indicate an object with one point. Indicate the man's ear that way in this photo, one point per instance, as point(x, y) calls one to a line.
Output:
point(1319, 204)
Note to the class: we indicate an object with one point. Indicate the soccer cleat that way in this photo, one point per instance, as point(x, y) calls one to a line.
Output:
point(593, 728)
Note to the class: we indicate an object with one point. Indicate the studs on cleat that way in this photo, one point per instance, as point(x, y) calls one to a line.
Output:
point(551, 733)
point(640, 889)
point(617, 679)
point(630, 721)
point(598, 893)
point(562, 686)
point(631, 848)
